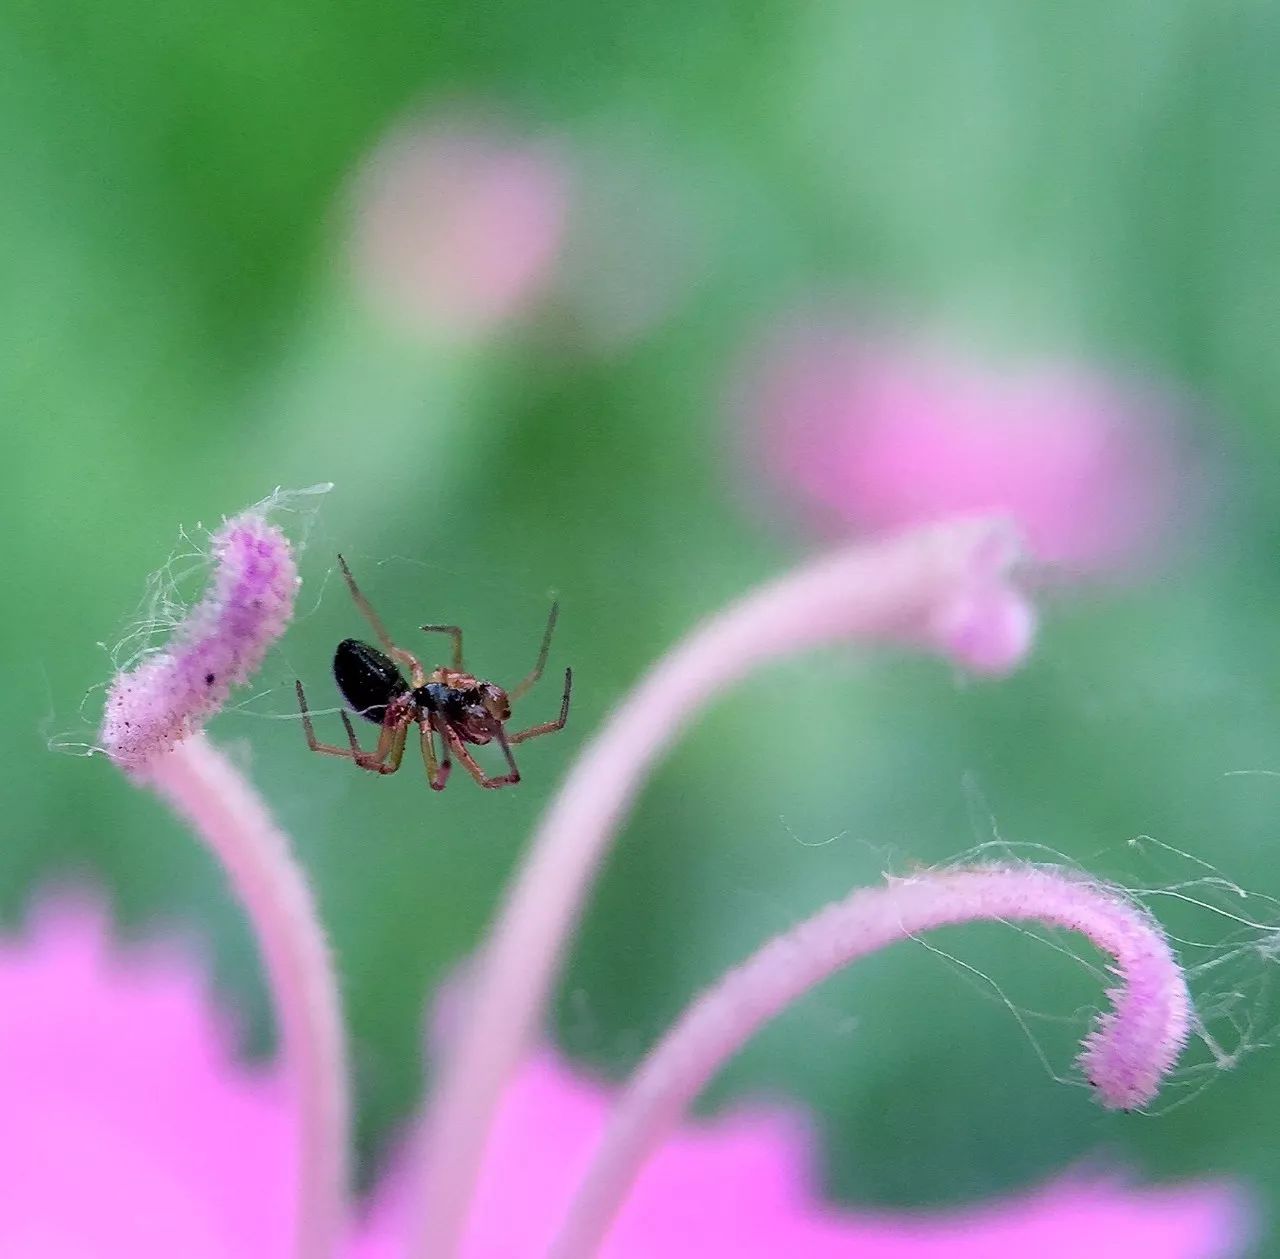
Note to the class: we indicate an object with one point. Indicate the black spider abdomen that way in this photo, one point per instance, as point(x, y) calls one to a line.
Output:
point(368, 680)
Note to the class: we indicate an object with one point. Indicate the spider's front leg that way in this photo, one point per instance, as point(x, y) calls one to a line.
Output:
point(472, 766)
point(535, 673)
point(548, 727)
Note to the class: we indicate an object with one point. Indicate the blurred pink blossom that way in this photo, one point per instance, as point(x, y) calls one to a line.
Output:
point(875, 431)
point(131, 1131)
point(458, 223)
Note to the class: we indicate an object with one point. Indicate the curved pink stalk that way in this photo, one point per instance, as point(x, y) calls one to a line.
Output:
point(221, 806)
point(151, 729)
point(943, 586)
point(1125, 1057)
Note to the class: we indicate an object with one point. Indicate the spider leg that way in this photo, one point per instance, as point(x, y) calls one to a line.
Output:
point(536, 672)
point(455, 633)
point(547, 727)
point(389, 761)
point(504, 743)
point(396, 653)
point(384, 760)
point(309, 730)
point(472, 767)
point(437, 770)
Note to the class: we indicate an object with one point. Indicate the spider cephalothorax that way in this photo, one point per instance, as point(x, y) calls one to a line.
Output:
point(448, 702)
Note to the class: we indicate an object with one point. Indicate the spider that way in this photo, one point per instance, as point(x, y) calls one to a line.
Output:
point(448, 701)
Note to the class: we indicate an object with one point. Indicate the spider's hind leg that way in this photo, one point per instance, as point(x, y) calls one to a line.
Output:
point(384, 759)
point(310, 731)
point(405, 658)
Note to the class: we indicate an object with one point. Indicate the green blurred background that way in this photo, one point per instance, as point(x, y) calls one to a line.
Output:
point(180, 334)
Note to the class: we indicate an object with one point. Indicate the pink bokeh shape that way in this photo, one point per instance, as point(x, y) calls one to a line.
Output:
point(132, 1132)
point(878, 431)
point(458, 224)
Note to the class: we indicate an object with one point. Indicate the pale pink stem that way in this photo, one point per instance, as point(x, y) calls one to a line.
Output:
point(151, 728)
point(943, 586)
point(209, 793)
point(1125, 1056)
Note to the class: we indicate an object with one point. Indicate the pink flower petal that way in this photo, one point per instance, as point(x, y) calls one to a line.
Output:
point(742, 1185)
point(131, 1132)
point(880, 432)
point(129, 1129)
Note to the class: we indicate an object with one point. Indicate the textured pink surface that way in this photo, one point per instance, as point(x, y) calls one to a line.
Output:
point(220, 644)
point(877, 432)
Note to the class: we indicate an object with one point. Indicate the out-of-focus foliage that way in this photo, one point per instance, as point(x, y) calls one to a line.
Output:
point(181, 333)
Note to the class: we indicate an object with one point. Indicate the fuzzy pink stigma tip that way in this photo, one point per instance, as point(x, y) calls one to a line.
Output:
point(223, 641)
